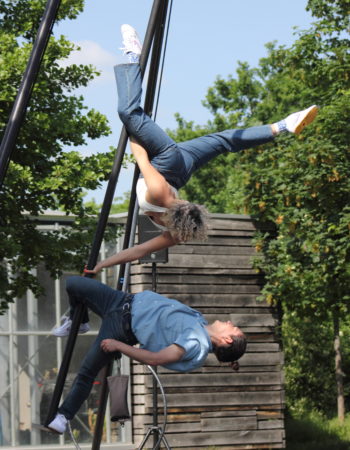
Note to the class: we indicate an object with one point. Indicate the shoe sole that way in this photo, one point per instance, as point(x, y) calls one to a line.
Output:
point(131, 30)
point(40, 427)
point(310, 115)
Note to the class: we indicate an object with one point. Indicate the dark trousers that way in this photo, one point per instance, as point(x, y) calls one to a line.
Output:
point(105, 302)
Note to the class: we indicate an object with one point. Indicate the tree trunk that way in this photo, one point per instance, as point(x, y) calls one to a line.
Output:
point(339, 375)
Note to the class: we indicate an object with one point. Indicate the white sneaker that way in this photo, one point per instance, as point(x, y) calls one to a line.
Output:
point(131, 41)
point(64, 329)
point(297, 121)
point(59, 424)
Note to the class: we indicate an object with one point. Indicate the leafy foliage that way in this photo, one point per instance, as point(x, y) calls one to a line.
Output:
point(43, 175)
point(120, 204)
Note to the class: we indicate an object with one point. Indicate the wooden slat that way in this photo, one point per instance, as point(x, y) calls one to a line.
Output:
point(206, 439)
point(233, 261)
point(219, 300)
point(141, 420)
point(163, 269)
point(229, 251)
point(169, 289)
point(231, 233)
point(252, 359)
point(229, 424)
point(270, 424)
point(218, 379)
point(219, 398)
point(216, 414)
point(246, 320)
point(218, 368)
point(198, 279)
point(234, 225)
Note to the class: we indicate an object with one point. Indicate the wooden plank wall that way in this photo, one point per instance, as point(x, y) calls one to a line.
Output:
point(215, 407)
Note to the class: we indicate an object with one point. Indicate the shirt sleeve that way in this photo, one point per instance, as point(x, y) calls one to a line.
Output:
point(195, 347)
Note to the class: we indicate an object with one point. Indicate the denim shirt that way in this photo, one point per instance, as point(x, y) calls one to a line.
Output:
point(158, 322)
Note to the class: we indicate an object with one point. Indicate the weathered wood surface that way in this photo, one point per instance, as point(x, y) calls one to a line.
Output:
point(242, 437)
point(199, 279)
point(175, 289)
point(217, 379)
point(213, 406)
point(203, 398)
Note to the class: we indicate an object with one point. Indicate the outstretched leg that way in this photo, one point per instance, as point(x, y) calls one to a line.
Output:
point(129, 85)
point(197, 152)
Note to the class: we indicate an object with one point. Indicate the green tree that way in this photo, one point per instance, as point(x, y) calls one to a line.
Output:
point(43, 174)
point(300, 185)
point(120, 204)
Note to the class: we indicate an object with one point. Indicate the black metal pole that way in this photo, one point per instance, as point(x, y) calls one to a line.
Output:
point(23, 96)
point(157, 25)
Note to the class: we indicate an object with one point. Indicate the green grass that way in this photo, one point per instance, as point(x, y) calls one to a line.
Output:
point(315, 432)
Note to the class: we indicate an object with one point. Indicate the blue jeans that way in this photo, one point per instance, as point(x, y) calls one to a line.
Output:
point(105, 302)
point(176, 161)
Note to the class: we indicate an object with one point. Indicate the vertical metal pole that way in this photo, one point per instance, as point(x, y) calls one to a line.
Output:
point(154, 380)
point(26, 87)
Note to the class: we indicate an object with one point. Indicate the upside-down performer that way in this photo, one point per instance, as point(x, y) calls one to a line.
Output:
point(166, 166)
point(170, 334)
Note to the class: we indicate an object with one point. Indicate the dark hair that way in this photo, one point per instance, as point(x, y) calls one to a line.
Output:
point(187, 221)
point(232, 352)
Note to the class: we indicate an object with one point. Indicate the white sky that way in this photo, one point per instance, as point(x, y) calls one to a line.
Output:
point(206, 39)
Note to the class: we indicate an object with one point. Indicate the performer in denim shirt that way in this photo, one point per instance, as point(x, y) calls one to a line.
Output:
point(170, 334)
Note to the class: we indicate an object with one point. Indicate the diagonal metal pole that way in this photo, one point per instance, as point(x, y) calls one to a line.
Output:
point(102, 222)
point(148, 107)
point(24, 93)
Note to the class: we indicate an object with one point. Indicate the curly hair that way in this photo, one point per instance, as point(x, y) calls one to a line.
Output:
point(232, 352)
point(187, 221)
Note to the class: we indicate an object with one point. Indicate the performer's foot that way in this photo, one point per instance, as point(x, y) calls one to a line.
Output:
point(131, 41)
point(59, 424)
point(64, 329)
point(297, 121)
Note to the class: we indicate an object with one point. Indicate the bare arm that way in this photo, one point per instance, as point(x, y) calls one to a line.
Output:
point(165, 240)
point(167, 355)
point(158, 190)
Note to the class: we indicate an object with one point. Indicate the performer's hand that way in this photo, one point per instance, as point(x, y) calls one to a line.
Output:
point(110, 345)
point(93, 271)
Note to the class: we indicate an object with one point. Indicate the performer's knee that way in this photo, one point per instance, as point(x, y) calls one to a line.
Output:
point(131, 118)
point(73, 284)
point(123, 115)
